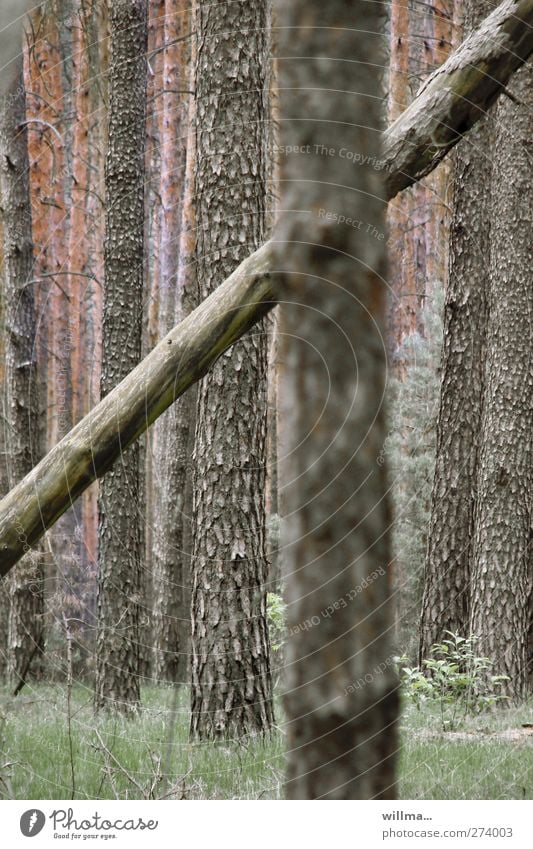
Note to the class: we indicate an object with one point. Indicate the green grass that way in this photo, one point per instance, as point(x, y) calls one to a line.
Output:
point(467, 770)
point(127, 759)
point(35, 742)
point(478, 761)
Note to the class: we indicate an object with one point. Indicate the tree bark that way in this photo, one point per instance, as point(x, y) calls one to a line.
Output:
point(241, 301)
point(172, 468)
point(92, 92)
point(402, 301)
point(120, 540)
point(26, 587)
point(231, 693)
point(446, 599)
point(501, 545)
point(177, 363)
point(341, 691)
point(419, 218)
point(153, 223)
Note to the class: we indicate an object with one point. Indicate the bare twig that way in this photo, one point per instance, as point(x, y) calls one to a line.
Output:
point(44, 124)
point(164, 46)
point(119, 766)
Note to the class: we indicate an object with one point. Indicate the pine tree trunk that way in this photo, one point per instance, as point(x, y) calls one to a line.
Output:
point(445, 605)
point(71, 158)
point(341, 691)
point(171, 609)
point(501, 554)
point(402, 314)
point(231, 681)
point(153, 221)
point(93, 90)
point(120, 538)
point(181, 467)
point(272, 481)
point(26, 584)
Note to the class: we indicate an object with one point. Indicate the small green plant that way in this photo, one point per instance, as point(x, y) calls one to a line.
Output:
point(418, 688)
point(455, 679)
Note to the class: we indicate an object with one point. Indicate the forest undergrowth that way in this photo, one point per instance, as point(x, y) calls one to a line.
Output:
point(490, 756)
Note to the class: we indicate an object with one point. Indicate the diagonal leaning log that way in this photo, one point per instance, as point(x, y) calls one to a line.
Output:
point(453, 98)
point(95, 443)
point(457, 94)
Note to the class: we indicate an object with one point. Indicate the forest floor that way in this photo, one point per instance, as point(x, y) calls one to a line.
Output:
point(487, 757)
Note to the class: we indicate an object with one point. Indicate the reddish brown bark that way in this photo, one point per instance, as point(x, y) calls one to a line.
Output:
point(421, 40)
point(65, 62)
point(400, 244)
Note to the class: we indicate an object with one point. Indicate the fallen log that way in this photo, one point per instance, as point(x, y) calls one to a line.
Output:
point(93, 445)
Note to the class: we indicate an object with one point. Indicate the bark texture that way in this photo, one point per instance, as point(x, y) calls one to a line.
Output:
point(120, 540)
point(341, 692)
point(501, 546)
point(231, 693)
point(26, 586)
point(446, 600)
point(403, 300)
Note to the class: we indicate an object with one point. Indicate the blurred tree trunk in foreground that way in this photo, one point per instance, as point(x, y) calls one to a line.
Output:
point(341, 690)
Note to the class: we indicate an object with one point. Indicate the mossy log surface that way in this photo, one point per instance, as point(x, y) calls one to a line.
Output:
point(457, 94)
point(450, 102)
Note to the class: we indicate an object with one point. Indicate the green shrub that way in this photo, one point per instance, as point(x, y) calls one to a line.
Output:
point(276, 621)
point(455, 679)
